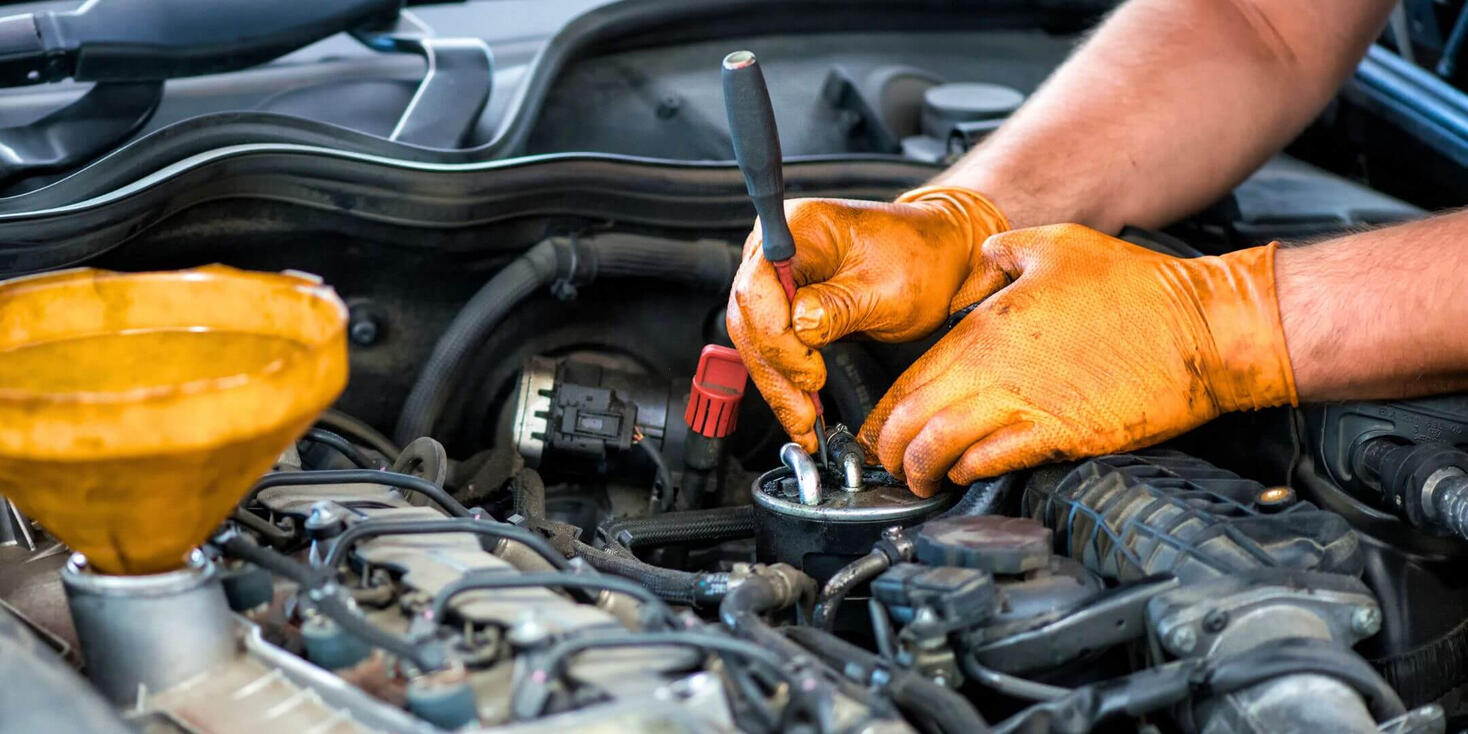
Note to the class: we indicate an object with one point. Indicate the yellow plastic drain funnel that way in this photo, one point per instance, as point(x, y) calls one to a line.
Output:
point(136, 409)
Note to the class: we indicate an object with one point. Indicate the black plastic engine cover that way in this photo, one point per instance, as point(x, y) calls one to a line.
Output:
point(1129, 516)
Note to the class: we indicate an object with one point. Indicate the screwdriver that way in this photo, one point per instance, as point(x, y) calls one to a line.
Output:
point(757, 150)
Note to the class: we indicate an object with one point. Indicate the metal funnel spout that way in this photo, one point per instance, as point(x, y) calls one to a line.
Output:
point(136, 409)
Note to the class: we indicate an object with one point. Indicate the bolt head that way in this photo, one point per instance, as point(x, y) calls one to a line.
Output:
point(1215, 620)
point(528, 632)
point(1182, 640)
point(363, 332)
point(668, 106)
point(1366, 621)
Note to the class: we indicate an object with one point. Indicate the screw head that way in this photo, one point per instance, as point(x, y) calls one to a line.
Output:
point(1215, 620)
point(668, 106)
point(528, 631)
point(363, 331)
point(1366, 620)
point(925, 615)
point(1182, 640)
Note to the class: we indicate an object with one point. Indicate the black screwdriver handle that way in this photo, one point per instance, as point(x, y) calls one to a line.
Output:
point(757, 149)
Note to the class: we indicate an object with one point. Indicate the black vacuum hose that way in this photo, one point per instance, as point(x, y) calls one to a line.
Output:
point(741, 608)
point(341, 445)
point(373, 528)
point(320, 588)
point(944, 709)
point(408, 482)
point(672, 585)
point(486, 579)
point(984, 497)
point(704, 265)
point(690, 526)
point(843, 582)
point(668, 584)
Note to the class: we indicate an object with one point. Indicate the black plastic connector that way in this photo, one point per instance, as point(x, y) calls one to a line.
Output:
point(960, 597)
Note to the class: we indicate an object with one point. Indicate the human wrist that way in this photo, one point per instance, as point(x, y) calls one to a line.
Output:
point(1248, 364)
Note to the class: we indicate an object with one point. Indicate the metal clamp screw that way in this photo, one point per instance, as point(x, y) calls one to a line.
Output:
point(1366, 621)
point(1182, 640)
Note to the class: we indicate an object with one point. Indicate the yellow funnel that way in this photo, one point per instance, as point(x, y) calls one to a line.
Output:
point(136, 409)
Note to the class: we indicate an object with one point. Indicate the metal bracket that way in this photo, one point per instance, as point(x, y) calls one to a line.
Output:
point(1228, 614)
point(454, 91)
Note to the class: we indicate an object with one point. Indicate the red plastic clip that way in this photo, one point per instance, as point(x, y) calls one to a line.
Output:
point(718, 386)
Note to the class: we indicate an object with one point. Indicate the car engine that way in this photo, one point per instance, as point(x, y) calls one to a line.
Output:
point(549, 499)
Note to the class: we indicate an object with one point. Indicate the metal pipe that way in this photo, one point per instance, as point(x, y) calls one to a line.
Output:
point(807, 478)
point(851, 466)
point(128, 626)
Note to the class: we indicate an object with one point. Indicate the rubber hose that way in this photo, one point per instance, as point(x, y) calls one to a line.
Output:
point(1302, 655)
point(843, 582)
point(743, 610)
point(360, 430)
point(702, 265)
point(915, 694)
point(480, 315)
point(854, 382)
point(663, 490)
point(341, 445)
point(671, 585)
point(399, 480)
point(528, 491)
point(1011, 685)
point(375, 528)
point(549, 664)
point(741, 607)
point(690, 526)
point(276, 536)
point(982, 498)
point(494, 579)
point(696, 264)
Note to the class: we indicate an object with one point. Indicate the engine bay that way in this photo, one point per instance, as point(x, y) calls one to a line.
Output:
point(548, 497)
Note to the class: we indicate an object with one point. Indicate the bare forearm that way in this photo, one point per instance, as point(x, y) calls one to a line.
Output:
point(1170, 104)
point(1378, 314)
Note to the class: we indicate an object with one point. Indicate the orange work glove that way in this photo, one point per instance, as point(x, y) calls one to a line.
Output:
point(893, 272)
point(1097, 346)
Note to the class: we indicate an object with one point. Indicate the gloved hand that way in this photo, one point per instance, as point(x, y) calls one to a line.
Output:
point(1097, 346)
point(893, 272)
